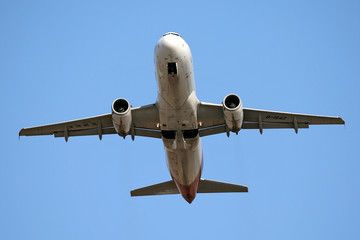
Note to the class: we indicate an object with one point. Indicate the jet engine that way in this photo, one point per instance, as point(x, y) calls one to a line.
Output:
point(121, 116)
point(233, 112)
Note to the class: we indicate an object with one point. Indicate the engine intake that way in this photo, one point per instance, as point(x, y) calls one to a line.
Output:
point(121, 116)
point(233, 112)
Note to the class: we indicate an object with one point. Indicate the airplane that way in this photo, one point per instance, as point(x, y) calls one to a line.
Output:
point(180, 120)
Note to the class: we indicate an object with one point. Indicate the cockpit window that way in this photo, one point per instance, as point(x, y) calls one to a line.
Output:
point(190, 133)
point(172, 68)
point(168, 134)
point(172, 33)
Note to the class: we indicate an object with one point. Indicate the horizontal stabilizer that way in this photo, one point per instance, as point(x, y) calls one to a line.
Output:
point(164, 188)
point(208, 186)
point(205, 186)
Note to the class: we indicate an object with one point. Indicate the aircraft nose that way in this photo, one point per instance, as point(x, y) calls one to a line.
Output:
point(170, 44)
point(169, 41)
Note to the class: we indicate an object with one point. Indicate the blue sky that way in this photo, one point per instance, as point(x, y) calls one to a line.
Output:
point(64, 60)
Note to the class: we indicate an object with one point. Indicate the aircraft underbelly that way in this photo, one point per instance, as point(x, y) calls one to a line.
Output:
point(185, 164)
point(177, 104)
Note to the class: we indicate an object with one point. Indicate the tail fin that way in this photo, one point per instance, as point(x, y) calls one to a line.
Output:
point(205, 186)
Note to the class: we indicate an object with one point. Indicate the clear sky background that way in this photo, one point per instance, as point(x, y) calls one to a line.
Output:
point(64, 60)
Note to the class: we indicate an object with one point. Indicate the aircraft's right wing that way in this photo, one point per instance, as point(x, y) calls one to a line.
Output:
point(211, 119)
point(254, 118)
point(145, 120)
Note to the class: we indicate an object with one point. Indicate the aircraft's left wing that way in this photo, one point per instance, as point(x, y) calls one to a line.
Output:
point(145, 120)
point(211, 117)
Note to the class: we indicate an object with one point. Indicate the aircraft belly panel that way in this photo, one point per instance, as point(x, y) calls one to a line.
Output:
point(182, 118)
point(185, 164)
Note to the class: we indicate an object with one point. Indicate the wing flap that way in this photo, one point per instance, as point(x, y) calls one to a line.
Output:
point(105, 131)
point(255, 125)
point(248, 125)
point(212, 130)
point(147, 133)
point(87, 132)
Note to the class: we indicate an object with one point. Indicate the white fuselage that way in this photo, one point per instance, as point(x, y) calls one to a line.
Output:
point(177, 104)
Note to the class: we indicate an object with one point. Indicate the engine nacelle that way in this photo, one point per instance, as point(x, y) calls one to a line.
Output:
point(121, 116)
point(233, 112)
